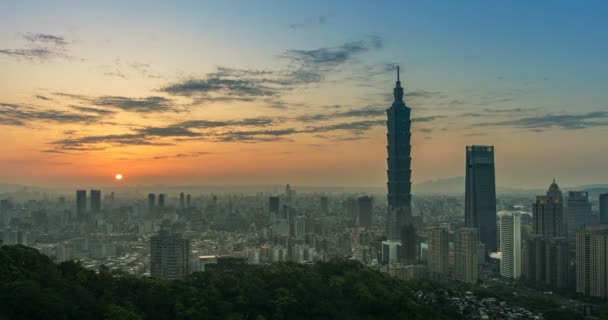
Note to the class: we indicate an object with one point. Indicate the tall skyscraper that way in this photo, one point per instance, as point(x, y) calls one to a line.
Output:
point(604, 208)
point(365, 211)
point(399, 222)
point(480, 194)
point(466, 261)
point(182, 200)
point(324, 205)
point(169, 256)
point(161, 203)
point(188, 201)
point(438, 252)
point(579, 212)
point(95, 201)
point(592, 261)
point(510, 244)
point(151, 203)
point(81, 204)
point(548, 213)
point(273, 205)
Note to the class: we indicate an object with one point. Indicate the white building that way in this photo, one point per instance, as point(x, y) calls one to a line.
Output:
point(510, 244)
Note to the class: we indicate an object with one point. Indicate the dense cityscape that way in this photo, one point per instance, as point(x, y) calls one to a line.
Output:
point(555, 243)
point(330, 160)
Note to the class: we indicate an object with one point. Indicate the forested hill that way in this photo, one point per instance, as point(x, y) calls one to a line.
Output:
point(33, 287)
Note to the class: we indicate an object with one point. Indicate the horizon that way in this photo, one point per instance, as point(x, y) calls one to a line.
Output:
point(162, 98)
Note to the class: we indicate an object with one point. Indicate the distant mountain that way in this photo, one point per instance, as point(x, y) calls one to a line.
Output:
point(453, 185)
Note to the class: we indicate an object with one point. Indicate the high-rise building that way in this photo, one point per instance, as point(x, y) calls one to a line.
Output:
point(592, 261)
point(182, 200)
point(548, 213)
point(438, 252)
point(365, 211)
point(324, 205)
point(151, 203)
point(466, 261)
point(161, 203)
point(604, 208)
point(188, 201)
point(480, 194)
point(399, 224)
point(510, 244)
point(169, 256)
point(579, 212)
point(95, 201)
point(81, 204)
point(273, 205)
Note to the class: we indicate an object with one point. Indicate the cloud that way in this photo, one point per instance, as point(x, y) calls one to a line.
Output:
point(304, 67)
point(355, 127)
point(365, 112)
point(156, 136)
point(40, 97)
point(20, 115)
point(45, 38)
point(564, 121)
point(39, 47)
point(141, 105)
point(317, 22)
point(333, 56)
point(93, 110)
point(424, 94)
point(184, 155)
point(427, 118)
point(101, 142)
point(150, 104)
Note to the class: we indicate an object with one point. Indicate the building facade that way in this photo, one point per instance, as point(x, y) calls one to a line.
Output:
point(592, 261)
point(548, 213)
point(466, 261)
point(604, 208)
point(510, 244)
point(169, 256)
point(480, 194)
point(399, 224)
point(438, 252)
point(579, 212)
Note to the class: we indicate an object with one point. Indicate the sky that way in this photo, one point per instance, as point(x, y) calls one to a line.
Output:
point(276, 92)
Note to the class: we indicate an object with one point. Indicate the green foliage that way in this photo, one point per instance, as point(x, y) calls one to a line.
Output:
point(32, 287)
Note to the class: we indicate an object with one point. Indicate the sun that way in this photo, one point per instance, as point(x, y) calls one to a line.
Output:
point(118, 176)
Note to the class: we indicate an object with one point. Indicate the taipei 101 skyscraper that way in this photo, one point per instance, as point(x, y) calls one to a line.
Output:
point(399, 224)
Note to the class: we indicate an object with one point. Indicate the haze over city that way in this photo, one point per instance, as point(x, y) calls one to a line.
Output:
point(246, 93)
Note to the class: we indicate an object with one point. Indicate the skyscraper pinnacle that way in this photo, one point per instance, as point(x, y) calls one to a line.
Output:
point(398, 91)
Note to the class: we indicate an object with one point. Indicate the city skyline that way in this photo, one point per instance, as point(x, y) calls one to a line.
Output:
point(302, 107)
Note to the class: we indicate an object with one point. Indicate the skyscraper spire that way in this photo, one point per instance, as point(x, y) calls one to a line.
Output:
point(398, 91)
point(398, 75)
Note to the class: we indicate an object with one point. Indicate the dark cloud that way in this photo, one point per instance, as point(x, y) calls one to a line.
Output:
point(45, 38)
point(424, 94)
point(40, 47)
point(141, 105)
point(20, 115)
point(427, 118)
point(93, 110)
point(305, 67)
point(333, 56)
point(40, 97)
point(355, 127)
point(564, 121)
point(155, 136)
point(366, 112)
point(184, 155)
point(101, 142)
